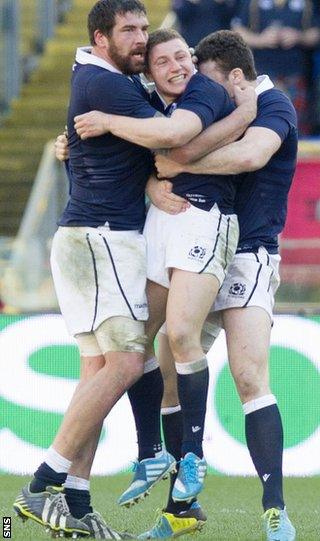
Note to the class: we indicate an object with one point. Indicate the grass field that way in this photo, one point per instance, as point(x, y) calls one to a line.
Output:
point(232, 504)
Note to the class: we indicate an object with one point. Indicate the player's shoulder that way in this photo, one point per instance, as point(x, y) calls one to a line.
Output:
point(275, 101)
point(274, 97)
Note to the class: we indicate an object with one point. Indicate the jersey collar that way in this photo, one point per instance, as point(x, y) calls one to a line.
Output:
point(264, 83)
point(84, 56)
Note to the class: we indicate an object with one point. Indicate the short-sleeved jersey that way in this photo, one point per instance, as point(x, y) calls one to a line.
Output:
point(107, 174)
point(261, 200)
point(211, 102)
point(257, 15)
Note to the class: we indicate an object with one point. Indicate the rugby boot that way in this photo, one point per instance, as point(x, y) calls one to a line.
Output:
point(189, 483)
point(278, 525)
point(147, 473)
point(100, 530)
point(176, 524)
point(49, 508)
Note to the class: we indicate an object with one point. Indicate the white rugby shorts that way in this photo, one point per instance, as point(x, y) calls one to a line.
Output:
point(99, 274)
point(252, 280)
point(196, 241)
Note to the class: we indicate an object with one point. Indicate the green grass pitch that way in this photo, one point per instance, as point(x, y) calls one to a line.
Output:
point(232, 504)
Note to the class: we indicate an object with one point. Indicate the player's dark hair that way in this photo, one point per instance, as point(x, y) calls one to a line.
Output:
point(163, 35)
point(229, 50)
point(103, 15)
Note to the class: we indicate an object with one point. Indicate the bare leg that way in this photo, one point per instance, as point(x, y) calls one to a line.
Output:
point(190, 299)
point(82, 464)
point(94, 399)
point(248, 339)
point(168, 371)
point(157, 301)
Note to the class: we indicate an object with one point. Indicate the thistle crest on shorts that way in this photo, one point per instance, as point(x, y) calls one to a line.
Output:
point(197, 252)
point(237, 289)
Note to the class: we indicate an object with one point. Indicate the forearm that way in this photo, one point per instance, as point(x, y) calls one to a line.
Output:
point(218, 135)
point(230, 160)
point(157, 132)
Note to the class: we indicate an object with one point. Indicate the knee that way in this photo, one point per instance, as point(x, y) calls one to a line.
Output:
point(181, 338)
point(251, 383)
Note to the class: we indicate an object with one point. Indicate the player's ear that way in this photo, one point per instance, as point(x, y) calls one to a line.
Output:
point(236, 76)
point(100, 39)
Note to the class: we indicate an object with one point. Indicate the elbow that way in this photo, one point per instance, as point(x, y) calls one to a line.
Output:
point(172, 139)
point(251, 163)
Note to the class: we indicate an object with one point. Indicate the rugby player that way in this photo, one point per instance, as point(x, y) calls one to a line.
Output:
point(189, 251)
point(265, 158)
point(102, 298)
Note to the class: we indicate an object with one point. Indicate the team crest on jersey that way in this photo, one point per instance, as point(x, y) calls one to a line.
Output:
point(197, 252)
point(237, 289)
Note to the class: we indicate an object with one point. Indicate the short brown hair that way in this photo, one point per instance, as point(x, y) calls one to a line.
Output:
point(103, 15)
point(161, 36)
point(229, 50)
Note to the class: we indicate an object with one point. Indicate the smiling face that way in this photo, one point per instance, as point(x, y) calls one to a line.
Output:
point(125, 48)
point(171, 68)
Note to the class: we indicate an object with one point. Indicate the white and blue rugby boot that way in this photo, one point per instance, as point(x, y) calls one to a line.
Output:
point(278, 525)
point(148, 473)
point(189, 483)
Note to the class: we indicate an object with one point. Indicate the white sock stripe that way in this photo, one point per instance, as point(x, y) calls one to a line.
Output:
point(259, 403)
point(192, 367)
point(170, 410)
point(57, 462)
point(78, 483)
point(150, 365)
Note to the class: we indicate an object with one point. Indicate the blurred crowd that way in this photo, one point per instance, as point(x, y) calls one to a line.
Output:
point(284, 36)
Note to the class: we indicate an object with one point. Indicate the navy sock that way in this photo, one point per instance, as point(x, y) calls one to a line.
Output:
point(264, 436)
point(193, 391)
point(78, 502)
point(145, 397)
point(173, 432)
point(46, 476)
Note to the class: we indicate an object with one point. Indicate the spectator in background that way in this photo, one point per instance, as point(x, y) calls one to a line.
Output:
point(198, 18)
point(289, 28)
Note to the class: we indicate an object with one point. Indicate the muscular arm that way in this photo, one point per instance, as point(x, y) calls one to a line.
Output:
point(156, 132)
point(223, 132)
point(250, 154)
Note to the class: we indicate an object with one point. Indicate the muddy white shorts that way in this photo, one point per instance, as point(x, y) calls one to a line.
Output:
point(98, 274)
point(196, 241)
point(252, 280)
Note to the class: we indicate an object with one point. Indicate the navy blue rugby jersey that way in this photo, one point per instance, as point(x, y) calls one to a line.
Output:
point(107, 174)
point(211, 102)
point(261, 200)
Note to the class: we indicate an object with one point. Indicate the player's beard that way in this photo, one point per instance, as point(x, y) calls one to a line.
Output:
point(129, 64)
